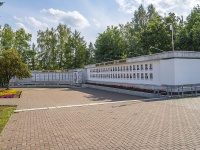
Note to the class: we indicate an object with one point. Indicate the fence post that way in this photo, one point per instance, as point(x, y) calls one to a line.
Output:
point(182, 91)
point(195, 90)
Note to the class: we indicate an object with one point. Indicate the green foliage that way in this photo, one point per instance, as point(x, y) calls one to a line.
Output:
point(110, 45)
point(18, 40)
point(61, 48)
point(147, 33)
point(11, 65)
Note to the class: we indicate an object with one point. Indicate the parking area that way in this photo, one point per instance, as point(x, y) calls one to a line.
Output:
point(132, 124)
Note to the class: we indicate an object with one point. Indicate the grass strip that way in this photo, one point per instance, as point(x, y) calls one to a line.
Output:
point(5, 113)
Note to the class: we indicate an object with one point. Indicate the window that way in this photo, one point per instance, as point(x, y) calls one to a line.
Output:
point(142, 67)
point(118, 69)
point(146, 76)
point(146, 66)
point(138, 76)
point(121, 75)
point(134, 75)
point(127, 75)
point(118, 75)
point(151, 76)
point(123, 68)
point(138, 67)
point(133, 67)
point(142, 75)
point(130, 68)
point(151, 66)
point(130, 76)
point(126, 68)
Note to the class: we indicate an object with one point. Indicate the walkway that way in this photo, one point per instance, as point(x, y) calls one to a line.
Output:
point(170, 124)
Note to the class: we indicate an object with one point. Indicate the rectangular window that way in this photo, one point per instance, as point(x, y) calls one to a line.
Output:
point(150, 66)
point(123, 68)
point(146, 66)
point(130, 68)
point(138, 76)
point(146, 76)
point(142, 67)
point(130, 76)
point(127, 75)
point(138, 67)
point(133, 67)
point(142, 75)
point(134, 75)
point(151, 76)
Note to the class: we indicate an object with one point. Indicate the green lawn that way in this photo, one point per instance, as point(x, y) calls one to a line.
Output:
point(5, 113)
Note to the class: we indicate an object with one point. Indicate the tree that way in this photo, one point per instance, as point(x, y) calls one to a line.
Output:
point(47, 43)
point(79, 50)
point(90, 54)
point(110, 45)
point(18, 40)
point(1, 3)
point(189, 36)
point(11, 65)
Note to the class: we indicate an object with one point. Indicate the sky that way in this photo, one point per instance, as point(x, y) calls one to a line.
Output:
point(90, 17)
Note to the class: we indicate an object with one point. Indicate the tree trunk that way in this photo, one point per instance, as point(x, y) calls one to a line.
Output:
point(7, 86)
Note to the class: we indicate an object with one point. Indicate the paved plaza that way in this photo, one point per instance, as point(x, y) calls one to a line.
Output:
point(132, 124)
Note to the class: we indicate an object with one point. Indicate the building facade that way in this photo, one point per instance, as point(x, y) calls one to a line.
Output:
point(167, 68)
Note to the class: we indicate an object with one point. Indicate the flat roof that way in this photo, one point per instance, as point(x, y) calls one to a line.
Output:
point(157, 56)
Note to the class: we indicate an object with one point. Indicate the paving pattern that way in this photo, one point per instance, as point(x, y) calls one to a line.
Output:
point(166, 124)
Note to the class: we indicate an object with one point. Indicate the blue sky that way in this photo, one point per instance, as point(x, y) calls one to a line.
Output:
point(90, 17)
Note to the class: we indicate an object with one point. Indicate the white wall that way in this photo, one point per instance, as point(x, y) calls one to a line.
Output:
point(167, 72)
point(187, 71)
point(155, 71)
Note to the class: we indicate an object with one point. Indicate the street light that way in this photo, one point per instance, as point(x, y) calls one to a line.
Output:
point(171, 28)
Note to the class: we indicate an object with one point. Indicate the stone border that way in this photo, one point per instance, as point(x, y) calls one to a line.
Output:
point(117, 90)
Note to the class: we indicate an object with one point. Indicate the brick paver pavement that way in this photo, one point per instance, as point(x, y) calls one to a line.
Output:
point(167, 124)
point(49, 97)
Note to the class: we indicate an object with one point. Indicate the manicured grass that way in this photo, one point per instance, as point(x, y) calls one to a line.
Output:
point(5, 113)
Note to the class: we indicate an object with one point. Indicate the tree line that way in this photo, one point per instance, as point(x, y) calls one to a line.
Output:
point(148, 32)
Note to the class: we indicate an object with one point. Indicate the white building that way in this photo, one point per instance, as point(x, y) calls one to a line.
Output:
point(167, 68)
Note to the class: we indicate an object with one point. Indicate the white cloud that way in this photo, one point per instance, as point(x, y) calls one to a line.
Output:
point(128, 6)
point(18, 19)
point(33, 22)
point(21, 25)
point(74, 18)
point(179, 7)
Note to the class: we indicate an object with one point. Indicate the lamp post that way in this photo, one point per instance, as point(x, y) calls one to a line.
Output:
point(171, 28)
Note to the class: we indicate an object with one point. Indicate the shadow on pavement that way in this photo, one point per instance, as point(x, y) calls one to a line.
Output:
point(100, 95)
